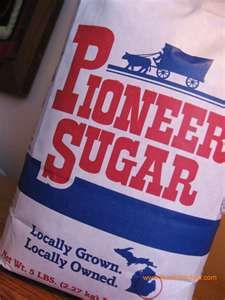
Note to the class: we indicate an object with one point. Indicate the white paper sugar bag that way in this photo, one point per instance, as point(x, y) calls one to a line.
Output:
point(121, 192)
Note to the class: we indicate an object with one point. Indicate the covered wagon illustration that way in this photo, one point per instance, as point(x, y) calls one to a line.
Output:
point(171, 60)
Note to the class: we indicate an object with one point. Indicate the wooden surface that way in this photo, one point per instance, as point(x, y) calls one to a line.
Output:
point(19, 288)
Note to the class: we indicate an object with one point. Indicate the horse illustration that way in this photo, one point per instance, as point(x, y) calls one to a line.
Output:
point(137, 61)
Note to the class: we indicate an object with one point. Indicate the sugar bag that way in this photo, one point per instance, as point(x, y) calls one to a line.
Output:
point(121, 191)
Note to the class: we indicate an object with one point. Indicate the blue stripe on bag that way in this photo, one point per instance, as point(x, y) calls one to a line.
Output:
point(121, 215)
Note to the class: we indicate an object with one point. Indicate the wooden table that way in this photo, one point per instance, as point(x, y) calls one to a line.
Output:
point(19, 288)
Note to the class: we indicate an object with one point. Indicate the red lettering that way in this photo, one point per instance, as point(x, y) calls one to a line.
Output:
point(62, 174)
point(105, 115)
point(152, 166)
point(181, 165)
point(181, 140)
point(131, 116)
point(96, 146)
point(85, 109)
point(216, 133)
point(155, 132)
point(115, 171)
point(86, 36)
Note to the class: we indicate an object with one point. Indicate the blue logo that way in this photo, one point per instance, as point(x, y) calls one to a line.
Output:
point(171, 60)
point(159, 68)
point(145, 283)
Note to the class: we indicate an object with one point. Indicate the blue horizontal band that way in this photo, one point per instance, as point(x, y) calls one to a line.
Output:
point(121, 215)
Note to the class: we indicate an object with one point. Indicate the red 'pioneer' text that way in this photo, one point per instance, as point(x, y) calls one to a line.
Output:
point(126, 117)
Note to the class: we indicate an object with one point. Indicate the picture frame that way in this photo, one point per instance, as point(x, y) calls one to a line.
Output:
point(26, 45)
